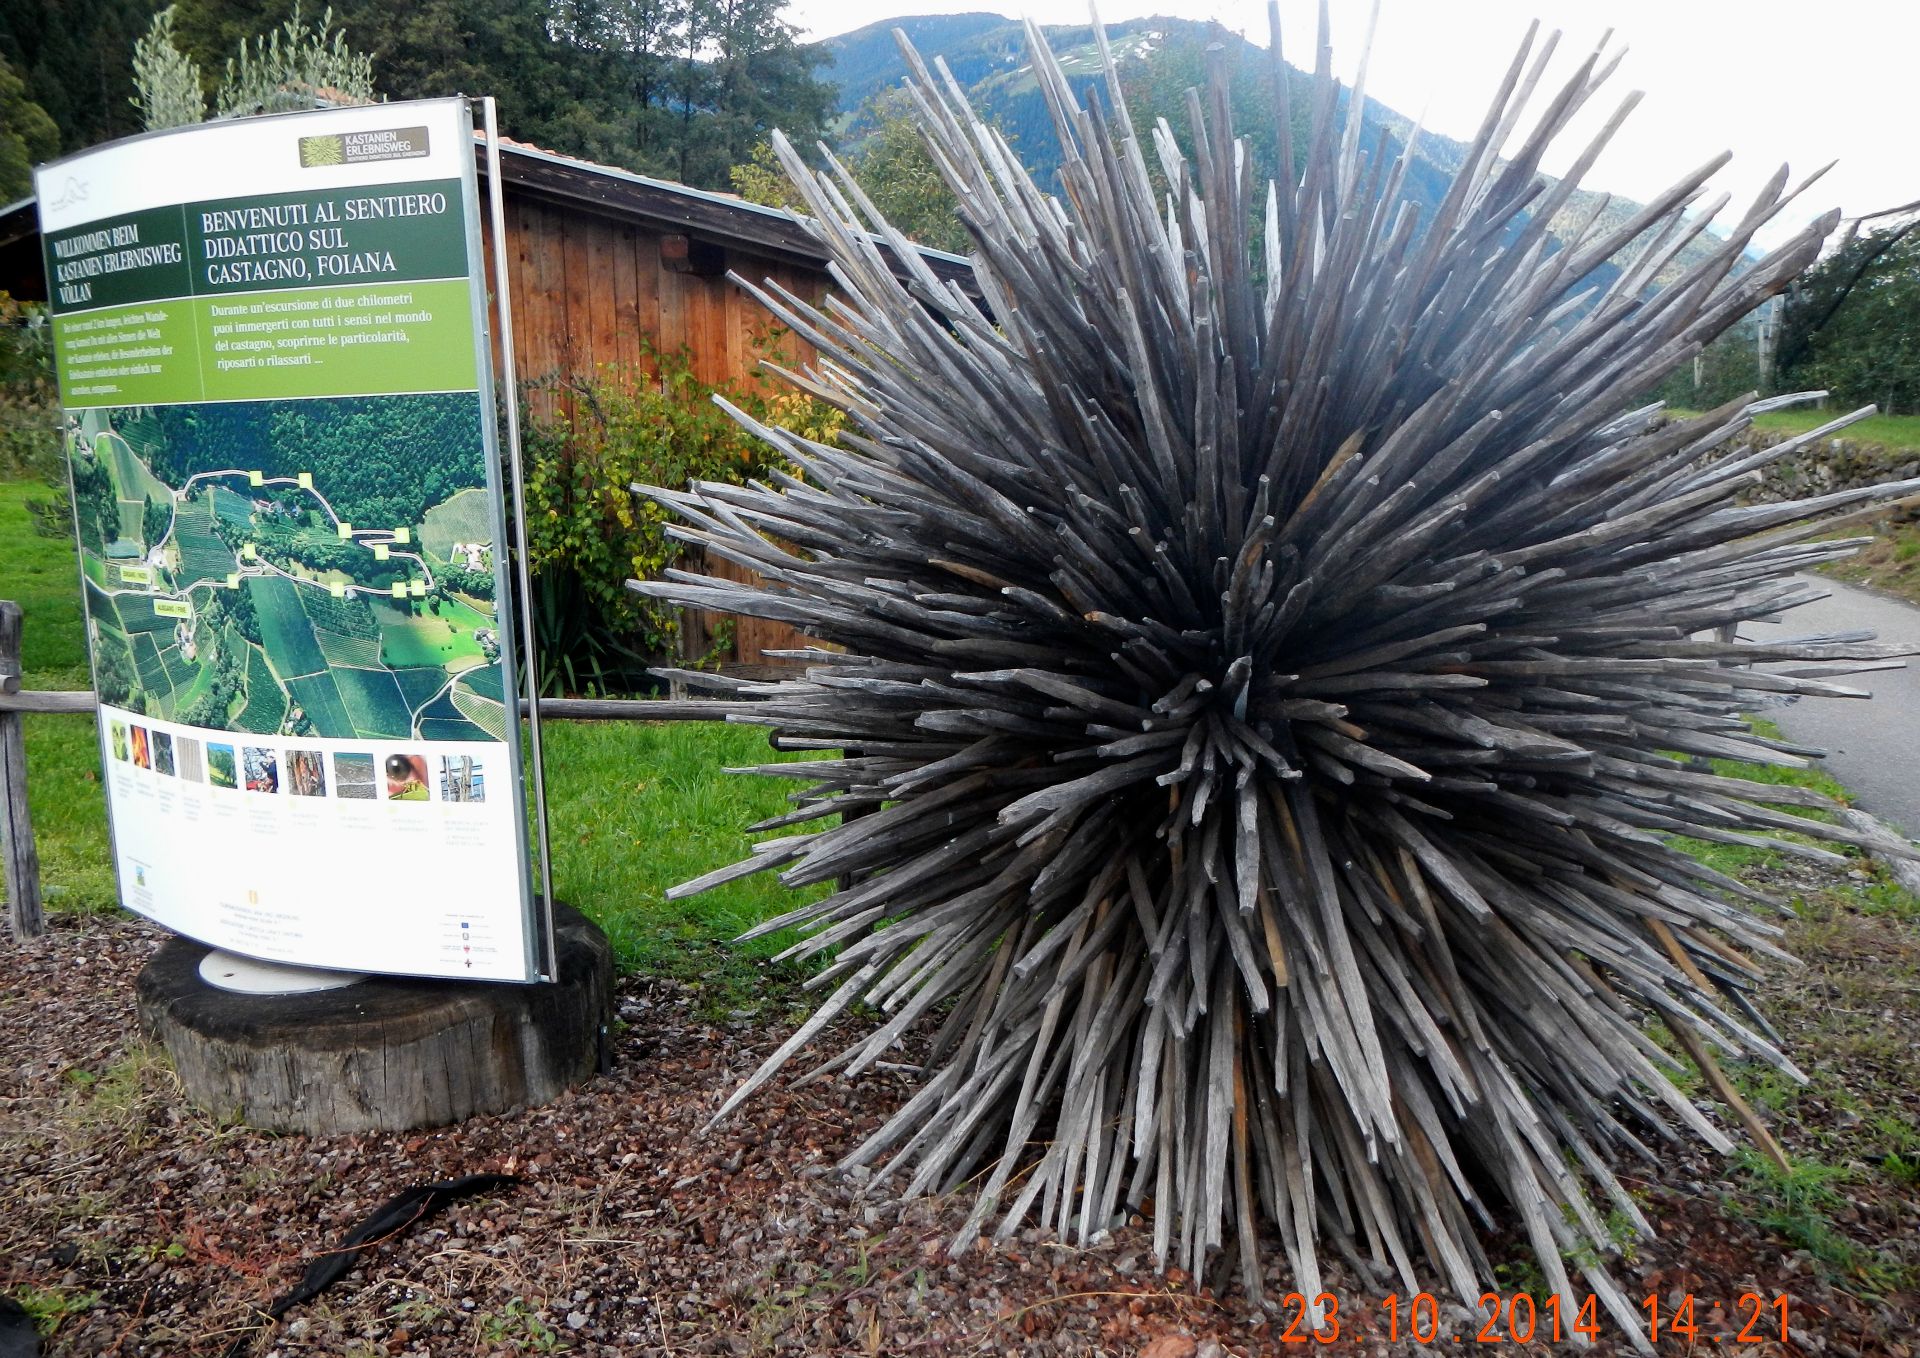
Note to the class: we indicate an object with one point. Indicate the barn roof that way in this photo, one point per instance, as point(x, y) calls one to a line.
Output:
point(717, 219)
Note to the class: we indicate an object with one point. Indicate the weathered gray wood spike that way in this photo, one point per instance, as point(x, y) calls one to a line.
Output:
point(1270, 677)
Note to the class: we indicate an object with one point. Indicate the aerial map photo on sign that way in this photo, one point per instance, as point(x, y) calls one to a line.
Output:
point(249, 568)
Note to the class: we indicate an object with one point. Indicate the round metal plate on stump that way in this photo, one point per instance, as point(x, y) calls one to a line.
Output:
point(390, 1053)
point(250, 976)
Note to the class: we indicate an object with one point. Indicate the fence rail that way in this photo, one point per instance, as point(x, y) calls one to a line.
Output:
point(49, 701)
point(25, 915)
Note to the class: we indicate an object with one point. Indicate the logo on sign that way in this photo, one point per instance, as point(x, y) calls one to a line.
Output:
point(73, 191)
point(357, 148)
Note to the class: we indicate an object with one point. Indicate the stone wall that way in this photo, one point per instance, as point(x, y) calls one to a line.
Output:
point(1831, 464)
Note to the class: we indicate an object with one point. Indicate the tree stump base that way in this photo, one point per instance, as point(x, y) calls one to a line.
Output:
point(389, 1054)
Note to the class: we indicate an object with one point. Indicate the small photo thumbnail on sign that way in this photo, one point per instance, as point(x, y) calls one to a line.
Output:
point(407, 778)
point(462, 779)
point(353, 777)
point(117, 737)
point(191, 757)
point(263, 769)
point(142, 753)
point(222, 771)
point(163, 753)
point(307, 773)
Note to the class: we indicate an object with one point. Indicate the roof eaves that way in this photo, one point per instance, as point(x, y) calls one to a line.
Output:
point(776, 219)
point(19, 220)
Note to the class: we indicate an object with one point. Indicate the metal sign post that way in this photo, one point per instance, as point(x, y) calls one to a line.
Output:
point(523, 575)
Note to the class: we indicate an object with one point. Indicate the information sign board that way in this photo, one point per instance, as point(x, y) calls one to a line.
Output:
point(271, 342)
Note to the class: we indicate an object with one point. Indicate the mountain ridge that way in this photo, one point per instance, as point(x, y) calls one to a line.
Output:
point(1158, 56)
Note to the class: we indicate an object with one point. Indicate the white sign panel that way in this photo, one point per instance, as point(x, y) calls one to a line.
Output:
point(272, 349)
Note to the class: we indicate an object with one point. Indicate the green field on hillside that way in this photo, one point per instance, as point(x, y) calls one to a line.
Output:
point(373, 701)
point(424, 637)
point(284, 626)
point(199, 553)
point(266, 705)
point(467, 517)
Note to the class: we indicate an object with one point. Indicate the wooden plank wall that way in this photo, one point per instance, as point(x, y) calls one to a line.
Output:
point(588, 289)
point(752, 637)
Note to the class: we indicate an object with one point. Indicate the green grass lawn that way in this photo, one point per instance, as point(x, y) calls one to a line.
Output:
point(1892, 431)
point(1891, 563)
point(634, 808)
point(63, 753)
point(40, 574)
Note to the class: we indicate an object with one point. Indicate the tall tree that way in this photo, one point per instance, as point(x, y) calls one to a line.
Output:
point(73, 56)
point(738, 71)
point(691, 89)
point(650, 36)
point(762, 78)
point(552, 89)
point(678, 88)
point(27, 135)
point(893, 168)
point(1853, 322)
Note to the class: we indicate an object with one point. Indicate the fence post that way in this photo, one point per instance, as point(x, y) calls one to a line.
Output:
point(17, 852)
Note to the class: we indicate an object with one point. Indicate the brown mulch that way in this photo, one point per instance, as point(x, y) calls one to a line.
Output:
point(157, 1231)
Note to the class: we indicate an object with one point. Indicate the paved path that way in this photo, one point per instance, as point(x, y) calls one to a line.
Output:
point(1873, 747)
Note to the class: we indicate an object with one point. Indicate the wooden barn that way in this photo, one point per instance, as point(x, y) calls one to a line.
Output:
point(605, 264)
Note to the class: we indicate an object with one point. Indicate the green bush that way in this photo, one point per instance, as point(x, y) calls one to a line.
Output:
point(29, 407)
point(588, 534)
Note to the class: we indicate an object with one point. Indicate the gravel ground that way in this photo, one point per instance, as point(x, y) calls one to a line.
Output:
point(144, 1228)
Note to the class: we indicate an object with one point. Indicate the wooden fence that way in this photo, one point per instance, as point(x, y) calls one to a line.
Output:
point(21, 859)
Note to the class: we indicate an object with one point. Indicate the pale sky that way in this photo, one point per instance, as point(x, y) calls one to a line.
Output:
point(1772, 81)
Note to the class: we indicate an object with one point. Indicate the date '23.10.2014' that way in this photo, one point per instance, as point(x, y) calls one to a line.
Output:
point(1521, 1319)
